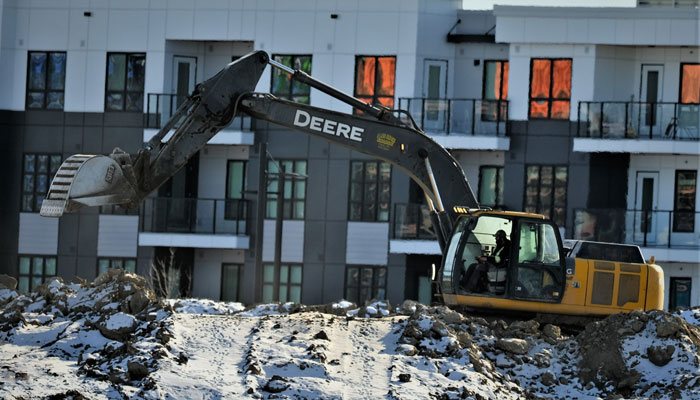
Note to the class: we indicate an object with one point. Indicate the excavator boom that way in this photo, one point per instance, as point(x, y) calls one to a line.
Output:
point(124, 179)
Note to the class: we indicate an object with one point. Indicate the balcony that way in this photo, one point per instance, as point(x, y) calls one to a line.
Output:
point(645, 127)
point(202, 223)
point(412, 230)
point(161, 106)
point(463, 124)
point(667, 235)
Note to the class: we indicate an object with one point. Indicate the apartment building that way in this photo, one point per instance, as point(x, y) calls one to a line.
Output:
point(589, 116)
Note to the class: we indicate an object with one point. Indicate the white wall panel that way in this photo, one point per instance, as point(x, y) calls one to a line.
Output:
point(95, 81)
point(179, 25)
point(247, 29)
point(235, 24)
point(77, 30)
point(75, 81)
point(302, 24)
point(367, 243)
point(131, 39)
point(117, 235)
point(48, 29)
point(264, 20)
point(292, 241)
point(377, 33)
point(37, 235)
point(210, 24)
point(345, 38)
point(156, 30)
point(323, 33)
point(97, 30)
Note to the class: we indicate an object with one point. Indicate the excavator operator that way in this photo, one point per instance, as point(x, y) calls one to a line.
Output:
point(490, 271)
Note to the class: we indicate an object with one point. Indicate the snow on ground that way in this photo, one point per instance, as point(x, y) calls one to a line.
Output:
point(104, 341)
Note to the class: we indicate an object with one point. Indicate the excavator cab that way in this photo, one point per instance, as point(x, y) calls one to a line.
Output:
point(505, 255)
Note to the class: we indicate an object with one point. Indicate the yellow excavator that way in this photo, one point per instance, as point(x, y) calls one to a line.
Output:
point(493, 260)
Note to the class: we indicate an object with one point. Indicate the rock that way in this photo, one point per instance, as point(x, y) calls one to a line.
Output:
point(405, 377)
point(276, 384)
point(628, 381)
point(637, 325)
point(530, 326)
point(138, 301)
point(513, 345)
point(548, 379)
point(254, 368)
point(667, 327)
point(8, 282)
point(439, 328)
point(660, 355)
point(551, 331)
point(450, 316)
point(137, 370)
point(118, 326)
point(407, 350)
point(321, 335)
point(464, 338)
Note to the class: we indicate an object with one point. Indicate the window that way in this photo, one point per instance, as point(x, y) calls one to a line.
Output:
point(539, 273)
point(230, 281)
point(550, 88)
point(38, 169)
point(684, 201)
point(235, 185)
point(495, 90)
point(375, 79)
point(125, 80)
point(491, 186)
point(545, 191)
point(282, 285)
point(127, 264)
point(46, 80)
point(679, 293)
point(294, 188)
point(370, 191)
point(283, 86)
point(690, 84)
point(365, 283)
point(35, 270)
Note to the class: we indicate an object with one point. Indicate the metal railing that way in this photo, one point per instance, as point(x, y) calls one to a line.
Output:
point(188, 215)
point(161, 106)
point(458, 116)
point(638, 120)
point(412, 221)
point(118, 210)
point(669, 3)
point(647, 228)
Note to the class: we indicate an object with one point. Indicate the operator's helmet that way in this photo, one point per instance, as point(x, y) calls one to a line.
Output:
point(500, 234)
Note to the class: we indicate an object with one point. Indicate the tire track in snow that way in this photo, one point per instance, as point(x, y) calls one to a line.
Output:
point(365, 350)
point(215, 346)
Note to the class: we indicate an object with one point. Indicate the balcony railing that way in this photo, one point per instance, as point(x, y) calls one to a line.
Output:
point(458, 116)
point(161, 106)
point(647, 228)
point(638, 120)
point(412, 221)
point(204, 216)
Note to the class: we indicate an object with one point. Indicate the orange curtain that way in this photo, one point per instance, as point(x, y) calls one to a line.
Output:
point(562, 79)
point(690, 83)
point(504, 88)
point(539, 86)
point(538, 109)
point(364, 83)
point(386, 76)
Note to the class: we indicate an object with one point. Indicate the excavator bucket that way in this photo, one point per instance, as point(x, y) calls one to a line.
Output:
point(87, 180)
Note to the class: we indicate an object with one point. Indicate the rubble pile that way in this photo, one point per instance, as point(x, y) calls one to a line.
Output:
point(648, 355)
point(113, 329)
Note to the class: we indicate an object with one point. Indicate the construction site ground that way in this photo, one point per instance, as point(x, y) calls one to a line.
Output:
point(112, 338)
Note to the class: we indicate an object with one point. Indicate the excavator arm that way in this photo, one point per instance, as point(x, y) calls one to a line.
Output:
point(124, 179)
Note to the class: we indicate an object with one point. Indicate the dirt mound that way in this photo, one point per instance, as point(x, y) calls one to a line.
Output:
point(643, 354)
point(113, 329)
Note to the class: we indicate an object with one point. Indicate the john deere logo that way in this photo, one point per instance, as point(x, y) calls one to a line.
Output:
point(385, 141)
point(110, 174)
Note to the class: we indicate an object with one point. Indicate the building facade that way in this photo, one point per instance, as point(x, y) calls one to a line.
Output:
point(589, 116)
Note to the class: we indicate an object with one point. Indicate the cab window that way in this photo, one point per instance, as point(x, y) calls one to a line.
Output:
point(539, 270)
